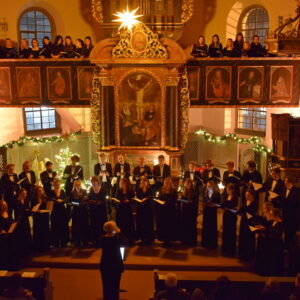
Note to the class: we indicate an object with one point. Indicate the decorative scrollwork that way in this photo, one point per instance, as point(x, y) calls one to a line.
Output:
point(187, 10)
point(141, 42)
point(96, 109)
point(184, 109)
point(97, 11)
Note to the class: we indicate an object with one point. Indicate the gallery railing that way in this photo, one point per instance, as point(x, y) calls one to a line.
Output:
point(212, 82)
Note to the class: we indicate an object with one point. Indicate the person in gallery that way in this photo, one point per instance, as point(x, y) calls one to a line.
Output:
point(212, 201)
point(47, 177)
point(71, 173)
point(167, 219)
point(124, 214)
point(229, 205)
point(189, 213)
point(24, 51)
point(142, 170)
point(229, 51)
point(88, 46)
point(103, 170)
point(160, 172)
point(238, 44)
point(215, 48)
point(41, 220)
point(59, 216)
point(200, 49)
point(9, 187)
point(69, 48)
point(211, 173)
point(9, 51)
point(28, 181)
point(111, 262)
point(144, 217)
point(47, 48)
point(247, 242)
point(58, 49)
point(98, 209)
point(256, 49)
point(35, 49)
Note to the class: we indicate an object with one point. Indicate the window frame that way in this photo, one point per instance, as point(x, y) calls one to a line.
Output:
point(43, 11)
point(245, 131)
point(38, 132)
point(243, 15)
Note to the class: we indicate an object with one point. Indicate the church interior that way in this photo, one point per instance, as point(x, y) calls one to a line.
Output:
point(170, 127)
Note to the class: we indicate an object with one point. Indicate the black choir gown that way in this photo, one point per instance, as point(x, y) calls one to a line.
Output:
point(167, 219)
point(59, 221)
point(124, 216)
point(270, 251)
point(23, 232)
point(80, 218)
point(7, 245)
point(247, 241)
point(144, 219)
point(210, 221)
point(98, 213)
point(188, 216)
point(41, 229)
point(229, 226)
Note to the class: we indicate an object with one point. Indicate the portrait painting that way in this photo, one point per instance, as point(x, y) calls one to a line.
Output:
point(85, 77)
point(59, 84)
point(140, 98)
point(194, 77)
point(218, 84)
point(139, 41)
point(5, 85)
point(28, 85)
point(250, 84)
point(281, 85)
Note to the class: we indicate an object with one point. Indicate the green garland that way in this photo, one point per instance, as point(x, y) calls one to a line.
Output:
point(43, 140)
point(254, 140)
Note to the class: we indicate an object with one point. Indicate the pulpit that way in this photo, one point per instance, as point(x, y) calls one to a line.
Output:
point(140, 99)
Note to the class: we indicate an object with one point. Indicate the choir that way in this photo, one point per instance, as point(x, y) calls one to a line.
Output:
point(146, 204)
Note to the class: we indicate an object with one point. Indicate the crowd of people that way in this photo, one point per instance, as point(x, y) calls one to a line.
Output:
point(223, 290)
point(59, 48)
point(237, 48)
point(146, 205)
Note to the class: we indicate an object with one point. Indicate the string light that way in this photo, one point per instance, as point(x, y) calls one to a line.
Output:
point(254, 140)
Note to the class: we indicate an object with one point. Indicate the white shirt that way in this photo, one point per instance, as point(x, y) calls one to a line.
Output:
point(287, 193)
point(73, 170)
point(161, 170)
point(103, 169)
point(210, 174)
point(11, 178)
point(273, 185)
point(29, 176)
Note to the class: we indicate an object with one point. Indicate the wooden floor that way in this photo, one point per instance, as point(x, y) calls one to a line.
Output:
point(143, 258)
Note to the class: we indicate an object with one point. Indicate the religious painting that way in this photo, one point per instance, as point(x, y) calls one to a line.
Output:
point(218, 84)
point(194, 77)
point(59, 84)
point(140, 111)
point(250, 84)
point(85, 77)
point(281, 84)
point(5, 86)
point(139, 41)
point(28, 85)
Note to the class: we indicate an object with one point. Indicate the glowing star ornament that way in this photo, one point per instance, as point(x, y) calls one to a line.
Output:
point(128, 19)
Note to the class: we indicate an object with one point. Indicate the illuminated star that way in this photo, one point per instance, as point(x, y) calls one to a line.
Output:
point(127, 18)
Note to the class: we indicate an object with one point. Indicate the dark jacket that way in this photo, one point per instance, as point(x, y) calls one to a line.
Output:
point(47, 181)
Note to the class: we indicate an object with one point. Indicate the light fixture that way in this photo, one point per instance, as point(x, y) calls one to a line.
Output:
point(128, 19)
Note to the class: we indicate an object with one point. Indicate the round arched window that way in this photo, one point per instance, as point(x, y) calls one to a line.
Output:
point(34, 24)
point(255, 21)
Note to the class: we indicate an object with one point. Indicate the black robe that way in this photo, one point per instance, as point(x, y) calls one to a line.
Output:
point(77, 175)
point(215, 51)
point(254, 176)
point(59, 221)
point(232, 177)
point(24, 53)
point(167, 219)
point(41, 229)
point(199, 51)
point(210, 221)
point(229, 226)
point(256, 50)
point(138, 172)
point(158, 177)
point(23, 232)
point(98, 213)
point(86, 51)
point(214, 175)
point(124, 217)
point(188, 217)
point(270, 250)
point(80, 218)
point(28, 186)
point(47, 181)
point(247, 241)
point(35, 53)
point(197, 180)
point(9, 189)
point(144, 217)
point(278, 189)
point(228, 53)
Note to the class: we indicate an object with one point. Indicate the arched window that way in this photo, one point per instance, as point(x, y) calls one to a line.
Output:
point(255, 21)
point(34, 24)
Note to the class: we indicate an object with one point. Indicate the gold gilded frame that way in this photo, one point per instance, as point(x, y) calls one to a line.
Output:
point(163, 110)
